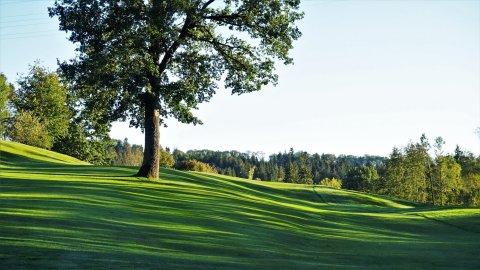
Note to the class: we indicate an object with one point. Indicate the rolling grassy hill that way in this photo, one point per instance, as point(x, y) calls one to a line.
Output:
point(58, 212)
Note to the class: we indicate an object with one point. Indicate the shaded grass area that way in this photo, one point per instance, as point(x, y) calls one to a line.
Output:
point(55, 215)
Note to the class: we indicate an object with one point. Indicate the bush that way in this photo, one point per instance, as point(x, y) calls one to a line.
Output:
point(334, 183)
point(194, 165)
point(166, 159)
point(28, 129)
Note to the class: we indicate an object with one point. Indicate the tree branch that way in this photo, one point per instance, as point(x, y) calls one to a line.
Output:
point(171, 50)
point(218, 47)
point(207, 4)
point(217, 17)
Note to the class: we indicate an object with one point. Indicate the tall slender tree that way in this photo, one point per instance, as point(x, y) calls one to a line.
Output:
point(394, 176)
point(425, 144)
point(147, 60)
point(416, 172)
point(448, 178)
point(6, 90)
point(292, 174)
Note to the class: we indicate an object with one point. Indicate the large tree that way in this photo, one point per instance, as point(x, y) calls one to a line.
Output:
point(149, 60)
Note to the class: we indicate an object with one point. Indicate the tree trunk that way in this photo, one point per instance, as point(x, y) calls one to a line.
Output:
point(432, 191)
point(441, 186)
point(150, 164)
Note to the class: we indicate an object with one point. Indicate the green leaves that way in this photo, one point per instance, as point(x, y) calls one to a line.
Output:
point(169, 56)
point(178, 50)
point(42, 93)
point(29, 129)
point(6, 90)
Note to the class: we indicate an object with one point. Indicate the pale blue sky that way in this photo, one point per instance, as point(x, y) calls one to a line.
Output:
point(368, 75)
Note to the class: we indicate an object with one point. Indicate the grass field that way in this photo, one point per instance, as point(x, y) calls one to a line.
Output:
point(57, 212)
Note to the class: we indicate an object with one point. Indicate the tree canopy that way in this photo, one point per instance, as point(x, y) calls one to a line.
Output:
point(42, 93)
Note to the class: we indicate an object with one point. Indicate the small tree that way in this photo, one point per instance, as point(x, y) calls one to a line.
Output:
point(28, 129)
point(251, 171)
point(332, 182)
point(448, 181)
point(166, 159)
point(394, 174)
point(305, 171)
point(6, 90)
point(471, 189)
point(292, 174)
point(414, 185)
point(42, 93)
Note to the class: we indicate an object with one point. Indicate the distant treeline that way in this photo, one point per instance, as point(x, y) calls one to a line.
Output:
point(419, 172)
point(291, 167)
point(122, 153)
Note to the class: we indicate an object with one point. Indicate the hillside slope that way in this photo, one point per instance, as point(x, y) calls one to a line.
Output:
point(14, 154)
point(58, 215)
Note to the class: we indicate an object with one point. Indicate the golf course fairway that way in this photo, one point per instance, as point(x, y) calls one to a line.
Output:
point(57, 212)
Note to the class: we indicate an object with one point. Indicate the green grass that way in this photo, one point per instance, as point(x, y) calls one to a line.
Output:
point(17, 154)
point(56, 213)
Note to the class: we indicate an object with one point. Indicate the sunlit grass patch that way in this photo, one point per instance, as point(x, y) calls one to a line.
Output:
point(10, 150)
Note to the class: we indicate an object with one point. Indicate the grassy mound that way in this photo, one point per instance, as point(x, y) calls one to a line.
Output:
point(15, 154)
point(59, 215)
